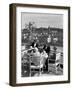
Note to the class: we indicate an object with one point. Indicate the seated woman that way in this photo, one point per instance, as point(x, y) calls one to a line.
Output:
point(44, 57)
point(44, 54)
point(34, 46)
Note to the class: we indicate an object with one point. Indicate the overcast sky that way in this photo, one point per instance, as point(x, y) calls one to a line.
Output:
point(42, 20)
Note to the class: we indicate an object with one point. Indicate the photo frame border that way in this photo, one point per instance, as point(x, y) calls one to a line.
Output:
point(12, 43)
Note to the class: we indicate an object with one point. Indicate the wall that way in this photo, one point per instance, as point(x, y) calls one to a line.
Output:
point(4, 44)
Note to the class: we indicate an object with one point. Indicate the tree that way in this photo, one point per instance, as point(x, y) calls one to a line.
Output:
point(31, 27)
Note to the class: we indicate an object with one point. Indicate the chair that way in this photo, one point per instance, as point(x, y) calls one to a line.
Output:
point(38, 62)
point(53, 61)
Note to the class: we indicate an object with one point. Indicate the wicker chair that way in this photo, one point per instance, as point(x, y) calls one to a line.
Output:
point(38, 62)
point(53, 61)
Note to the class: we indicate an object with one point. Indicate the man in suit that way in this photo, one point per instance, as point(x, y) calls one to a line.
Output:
point(47, 49)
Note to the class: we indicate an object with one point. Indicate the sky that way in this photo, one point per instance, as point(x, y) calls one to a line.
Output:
point(42, 20)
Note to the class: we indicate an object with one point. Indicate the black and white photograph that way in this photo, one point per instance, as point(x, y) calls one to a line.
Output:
point(41, 44)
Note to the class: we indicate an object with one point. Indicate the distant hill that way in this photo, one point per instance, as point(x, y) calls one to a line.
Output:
point(42, 35)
